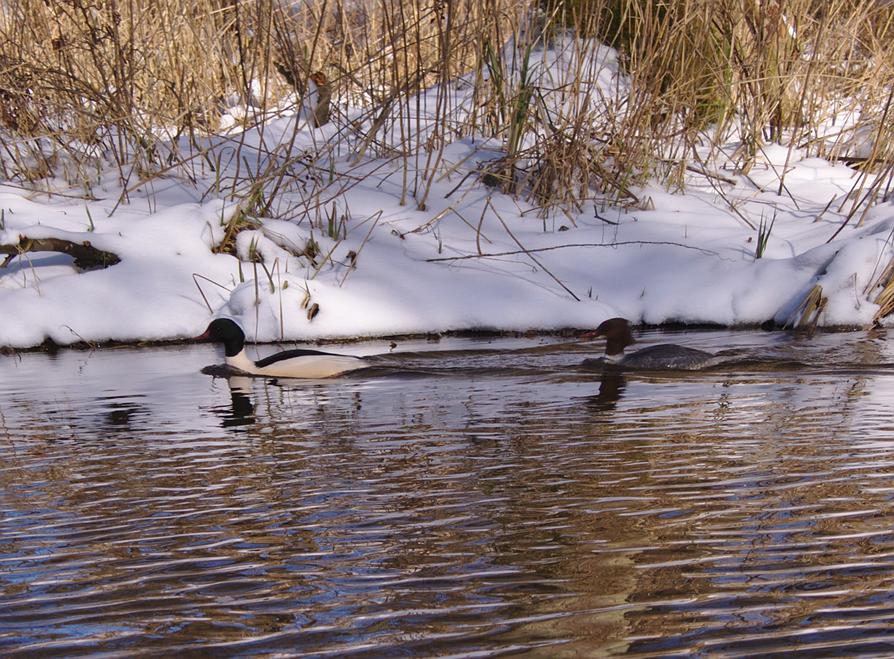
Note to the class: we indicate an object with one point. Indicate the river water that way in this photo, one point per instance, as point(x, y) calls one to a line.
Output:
point(467, 497)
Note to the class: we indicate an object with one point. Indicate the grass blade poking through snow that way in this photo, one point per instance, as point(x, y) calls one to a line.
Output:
point(763, 236)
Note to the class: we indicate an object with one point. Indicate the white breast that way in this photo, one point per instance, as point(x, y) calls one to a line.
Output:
point(614, 359)
point(306, 366)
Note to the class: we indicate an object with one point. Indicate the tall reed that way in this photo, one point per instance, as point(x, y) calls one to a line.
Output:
point(141, 86)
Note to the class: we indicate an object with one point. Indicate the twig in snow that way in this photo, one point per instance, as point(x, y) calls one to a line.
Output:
point(704, 172)
point(425, 225)
point(549, 249)
point(353, 265)
point(85, 255)
point(527, 253)
point(723, 196)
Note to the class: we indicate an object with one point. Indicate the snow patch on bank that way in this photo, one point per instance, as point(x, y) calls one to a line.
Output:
point(357, 258)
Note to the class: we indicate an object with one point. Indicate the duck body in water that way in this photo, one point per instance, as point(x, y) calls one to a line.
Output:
point(618, 336)
point(286, 364)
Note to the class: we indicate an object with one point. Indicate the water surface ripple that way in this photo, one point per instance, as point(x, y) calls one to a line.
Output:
point(470, 497)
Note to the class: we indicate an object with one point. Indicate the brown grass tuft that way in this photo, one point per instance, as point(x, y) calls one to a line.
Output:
point(139, 85)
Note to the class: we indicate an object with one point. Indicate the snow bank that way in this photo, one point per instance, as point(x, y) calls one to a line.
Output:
point(348, 260)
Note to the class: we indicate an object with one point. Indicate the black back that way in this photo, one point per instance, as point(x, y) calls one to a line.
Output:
point(288, 354)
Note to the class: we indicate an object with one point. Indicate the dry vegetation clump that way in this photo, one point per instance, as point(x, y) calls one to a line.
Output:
point(813, 74)
point(140, 85)
point(110, 82)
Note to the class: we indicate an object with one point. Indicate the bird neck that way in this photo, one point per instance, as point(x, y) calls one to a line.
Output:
point(240, 361)
point(614, 349)
point(233, 345)
point(614, 358)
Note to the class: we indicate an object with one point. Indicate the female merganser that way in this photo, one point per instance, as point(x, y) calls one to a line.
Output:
point(666, 356)
point(286, 364)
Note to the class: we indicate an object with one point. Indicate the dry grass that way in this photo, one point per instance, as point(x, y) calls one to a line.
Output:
point(139, 85)
point(808, 313)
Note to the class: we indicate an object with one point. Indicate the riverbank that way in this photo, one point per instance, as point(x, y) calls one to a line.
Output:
point(475, 259)
point(413, 221)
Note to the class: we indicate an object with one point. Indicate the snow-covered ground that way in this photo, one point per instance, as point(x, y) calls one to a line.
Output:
point(474, 258)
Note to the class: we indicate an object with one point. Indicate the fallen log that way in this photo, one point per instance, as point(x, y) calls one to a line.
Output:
point(86, 256)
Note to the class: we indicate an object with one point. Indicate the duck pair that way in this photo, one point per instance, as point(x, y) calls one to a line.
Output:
point(318, 364)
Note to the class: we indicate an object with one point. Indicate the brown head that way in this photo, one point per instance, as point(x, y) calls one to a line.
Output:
point(617, 335)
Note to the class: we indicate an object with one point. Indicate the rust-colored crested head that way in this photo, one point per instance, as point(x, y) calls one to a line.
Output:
point(617, 335)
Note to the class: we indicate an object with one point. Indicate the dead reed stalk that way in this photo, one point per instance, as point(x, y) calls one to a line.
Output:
point(142, 85)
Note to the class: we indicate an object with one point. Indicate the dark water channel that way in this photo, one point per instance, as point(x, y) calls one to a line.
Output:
point(489, 497)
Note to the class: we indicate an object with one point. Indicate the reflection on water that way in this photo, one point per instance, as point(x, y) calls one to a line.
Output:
point(489, 497)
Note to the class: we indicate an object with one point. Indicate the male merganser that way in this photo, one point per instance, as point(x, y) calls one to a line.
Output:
point(286, 364)
point(665, 356)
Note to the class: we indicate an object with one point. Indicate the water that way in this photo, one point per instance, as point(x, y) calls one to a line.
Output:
point(480, 498)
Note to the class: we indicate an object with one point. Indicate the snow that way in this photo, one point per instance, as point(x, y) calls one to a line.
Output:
point(474, 258)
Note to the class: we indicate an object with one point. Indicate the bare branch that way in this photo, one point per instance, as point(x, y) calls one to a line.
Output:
point(86, 256)
point(549, 249)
